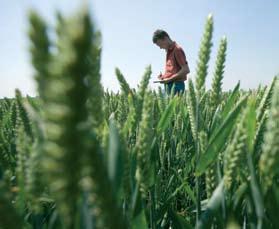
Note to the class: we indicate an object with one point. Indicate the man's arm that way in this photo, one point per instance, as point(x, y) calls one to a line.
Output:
point(180, 59)
point(180, 75)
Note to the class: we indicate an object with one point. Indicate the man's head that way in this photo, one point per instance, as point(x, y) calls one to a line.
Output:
point(161, 39)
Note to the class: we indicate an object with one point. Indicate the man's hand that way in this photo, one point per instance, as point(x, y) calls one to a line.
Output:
point(160, 76)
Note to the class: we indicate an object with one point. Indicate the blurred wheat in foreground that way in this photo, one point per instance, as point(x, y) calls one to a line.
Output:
point(77, 156)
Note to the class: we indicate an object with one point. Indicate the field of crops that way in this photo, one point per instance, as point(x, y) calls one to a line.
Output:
point(78, 156)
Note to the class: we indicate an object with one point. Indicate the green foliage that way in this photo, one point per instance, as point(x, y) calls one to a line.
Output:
point(66, 115)
point(218, 139)
point(81, 157)
point(218, 75)
point(143, 147)
point(192, 109)
point(269, 157)
point(9, 216)
point(40, 50)
point(234, 151)
point(204, 55)
point(141, 91)
point(22, 116)
point(123, 83)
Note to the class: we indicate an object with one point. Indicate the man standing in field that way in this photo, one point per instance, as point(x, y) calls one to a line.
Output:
point(176, 68)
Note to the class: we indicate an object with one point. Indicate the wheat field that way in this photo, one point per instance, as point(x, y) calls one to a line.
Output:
point(79, 156)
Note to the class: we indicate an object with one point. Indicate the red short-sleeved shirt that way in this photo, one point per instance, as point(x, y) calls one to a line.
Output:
point(175, 58)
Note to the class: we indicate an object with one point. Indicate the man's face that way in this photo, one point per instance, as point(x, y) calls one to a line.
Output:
point(162, 43)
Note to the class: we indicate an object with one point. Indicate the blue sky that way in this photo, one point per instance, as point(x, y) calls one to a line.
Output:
point(251, 28)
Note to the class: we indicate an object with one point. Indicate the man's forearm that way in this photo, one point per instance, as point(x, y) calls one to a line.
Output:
point(179, 75)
